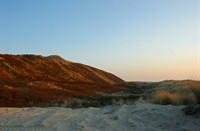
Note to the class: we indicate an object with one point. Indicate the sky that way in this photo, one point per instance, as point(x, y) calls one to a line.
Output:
point(137, 40)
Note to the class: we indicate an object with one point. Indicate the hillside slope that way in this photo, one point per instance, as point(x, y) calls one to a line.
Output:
point(27, 80)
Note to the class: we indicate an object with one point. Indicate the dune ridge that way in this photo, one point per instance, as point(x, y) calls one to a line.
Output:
point(28, 80)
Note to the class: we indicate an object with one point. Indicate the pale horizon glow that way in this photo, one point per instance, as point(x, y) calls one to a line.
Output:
point(135, 40)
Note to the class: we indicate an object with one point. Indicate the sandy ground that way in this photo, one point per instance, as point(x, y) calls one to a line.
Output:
point(140, 117)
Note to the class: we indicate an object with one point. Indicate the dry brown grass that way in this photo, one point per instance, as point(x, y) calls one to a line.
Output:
point(165, 98)
point(184, 92)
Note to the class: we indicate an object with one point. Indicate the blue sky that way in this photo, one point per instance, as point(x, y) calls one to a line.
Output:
point(139, 40)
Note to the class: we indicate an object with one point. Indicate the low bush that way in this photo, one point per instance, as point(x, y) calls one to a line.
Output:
point(166, 98)
point(196, 92)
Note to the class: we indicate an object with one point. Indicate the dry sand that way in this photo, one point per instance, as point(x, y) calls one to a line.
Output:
point(140, 117)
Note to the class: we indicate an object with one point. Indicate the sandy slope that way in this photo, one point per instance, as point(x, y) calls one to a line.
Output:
point(34, 80)
point(140, 117)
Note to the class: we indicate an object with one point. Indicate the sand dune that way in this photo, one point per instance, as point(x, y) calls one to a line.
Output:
point(34, 80)
point(141, 117)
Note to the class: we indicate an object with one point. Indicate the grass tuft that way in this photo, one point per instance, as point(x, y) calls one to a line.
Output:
point(166, 98)
point(196, 92)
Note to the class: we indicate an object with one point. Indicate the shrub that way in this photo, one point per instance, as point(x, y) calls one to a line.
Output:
point(196, 92)
point(187, 99)
point(165, 98)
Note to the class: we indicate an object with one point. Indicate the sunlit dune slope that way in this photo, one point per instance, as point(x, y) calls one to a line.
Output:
point(27, 80)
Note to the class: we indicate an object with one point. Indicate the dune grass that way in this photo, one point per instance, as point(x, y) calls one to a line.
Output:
point(177, 93)
point(196, 92)
point(165, 98)
point(175, 98)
